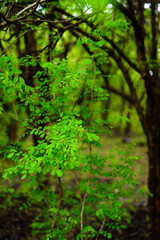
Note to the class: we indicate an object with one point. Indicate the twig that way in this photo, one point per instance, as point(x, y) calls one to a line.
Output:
point(54, 22)
point(3, 5)
point(82, 211)
point(35, 4)
point(4, 18)
point(81, 94)
point(12, 117)
point(15, 111)
point(102, 226)
point(56, 41)
point(31, 128)
point(9, 8)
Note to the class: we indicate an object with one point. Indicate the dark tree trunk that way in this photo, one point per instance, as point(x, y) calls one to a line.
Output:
point(153, 138)
point(154, 186)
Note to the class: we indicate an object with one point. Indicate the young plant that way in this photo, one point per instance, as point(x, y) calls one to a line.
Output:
point(79, 192)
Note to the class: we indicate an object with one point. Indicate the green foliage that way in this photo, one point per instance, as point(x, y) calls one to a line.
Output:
point(84, 197)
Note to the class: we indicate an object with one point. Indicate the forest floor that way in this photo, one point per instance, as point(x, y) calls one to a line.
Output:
point(16, 224)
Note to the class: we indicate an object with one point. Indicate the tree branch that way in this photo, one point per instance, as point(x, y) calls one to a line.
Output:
point(132, 89)
point(133, 65)
point(138, 32)
point(34, 6)
point(134, 100)
point(14, 41)
point(107, 86)
point(82, 210)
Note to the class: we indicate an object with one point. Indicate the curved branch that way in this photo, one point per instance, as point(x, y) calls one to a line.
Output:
point(123, 55)
point(126, 75)
point(109, 87)
point(134, 99)
point(139, 32)
point(14, 41)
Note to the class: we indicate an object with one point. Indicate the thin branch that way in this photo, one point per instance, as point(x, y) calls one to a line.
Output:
point(118, 92)
point(96, 39)
point(54, 22)
point(14, 41)
point(9, 8)
point(30, 128)
point(124, 56)
point(139, 32)
point(3, 5)
point(82, 210)
point(107, 86)
point(134, 99)
point(35, 4)
point(80, 95)
point(81, 20)
point(53, 45)
point(15, 111)
point(130, 15)
point(27, 14)
point(101, 228)
point(12, 117)
point(4, 18)
point(133, 91)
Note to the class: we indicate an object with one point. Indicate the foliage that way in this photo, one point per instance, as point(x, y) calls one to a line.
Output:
point(72, 72)
point(79, 192)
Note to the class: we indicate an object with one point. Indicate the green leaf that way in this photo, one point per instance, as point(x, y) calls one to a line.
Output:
point(42, 135)
point(123, 226)
point(72, 83)
point(10, 155)
point(32, 131)
point(78, 42)
point(88, 61)
point(81, 134)
point(95, 137)
point(31, 107)
point(15, 79)
point(24, 176)
point(53, 172)
point(109, 235)
point(5, 175)
point(100, 43)
point(21, 80)
point(59, 173)
point(91, 49)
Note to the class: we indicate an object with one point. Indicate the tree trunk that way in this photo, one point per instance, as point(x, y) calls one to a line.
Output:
point(154, 186)
point(153, 138)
